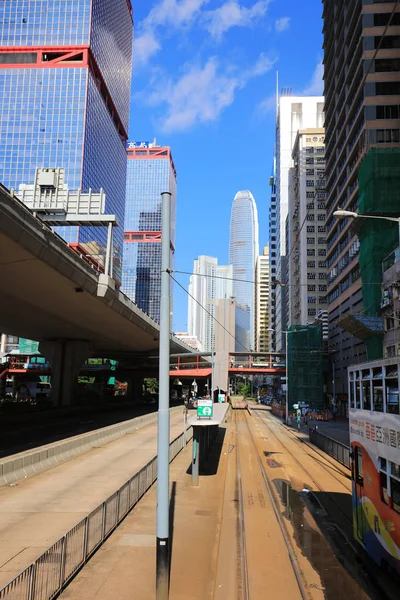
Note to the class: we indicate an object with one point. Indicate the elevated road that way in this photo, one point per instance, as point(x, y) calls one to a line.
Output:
point(50, 293)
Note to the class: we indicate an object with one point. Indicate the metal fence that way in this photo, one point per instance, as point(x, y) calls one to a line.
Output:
point(337, 450)
point(45, 578)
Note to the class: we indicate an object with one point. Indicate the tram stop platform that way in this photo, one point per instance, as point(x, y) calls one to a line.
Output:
point(205, 431)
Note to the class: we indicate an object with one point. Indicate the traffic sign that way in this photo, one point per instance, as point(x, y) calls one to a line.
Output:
point(204, 408)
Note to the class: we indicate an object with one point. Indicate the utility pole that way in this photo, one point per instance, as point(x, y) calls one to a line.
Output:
point(162, 542)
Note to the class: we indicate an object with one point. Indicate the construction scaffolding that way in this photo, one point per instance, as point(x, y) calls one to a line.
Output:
point(305, 366)
point(379, 195)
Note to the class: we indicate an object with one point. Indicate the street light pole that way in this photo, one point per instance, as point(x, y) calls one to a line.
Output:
point(162, 542)
point(343, 214)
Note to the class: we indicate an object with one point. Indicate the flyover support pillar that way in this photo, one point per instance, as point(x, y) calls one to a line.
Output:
point(135, 388)
point(66, 358)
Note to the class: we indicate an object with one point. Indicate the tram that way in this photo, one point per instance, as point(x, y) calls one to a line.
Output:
point(374, 421)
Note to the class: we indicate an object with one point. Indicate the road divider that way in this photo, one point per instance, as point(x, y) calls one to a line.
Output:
point(50, 573)
point(25, 464)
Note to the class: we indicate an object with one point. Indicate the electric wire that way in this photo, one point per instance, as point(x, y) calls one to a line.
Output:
point(208, 312)
point(270, 283)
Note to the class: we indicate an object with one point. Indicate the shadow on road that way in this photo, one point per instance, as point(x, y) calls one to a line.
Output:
point(209, 465)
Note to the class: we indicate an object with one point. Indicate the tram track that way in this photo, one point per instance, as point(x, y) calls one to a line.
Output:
point(301, 465)
point(364, 569)
point(275, 543)
point(291, 552)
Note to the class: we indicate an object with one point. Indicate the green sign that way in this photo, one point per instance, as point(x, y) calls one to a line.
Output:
point(204, 408)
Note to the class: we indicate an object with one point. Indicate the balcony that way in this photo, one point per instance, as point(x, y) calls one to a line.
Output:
point(391, 268)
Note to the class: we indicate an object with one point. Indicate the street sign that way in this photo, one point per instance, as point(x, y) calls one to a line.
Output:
point(204, 408)
point(221, 397)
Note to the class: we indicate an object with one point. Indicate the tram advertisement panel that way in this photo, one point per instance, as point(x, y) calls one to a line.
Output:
point(378, 433)
point(375, 442)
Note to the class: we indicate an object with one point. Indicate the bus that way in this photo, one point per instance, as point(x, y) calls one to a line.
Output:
point(374, 421)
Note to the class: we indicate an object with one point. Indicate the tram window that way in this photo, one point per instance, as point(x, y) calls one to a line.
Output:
point(359, 467)
point(384, 490)
point(367, 395)
point(392, 396)
point(395, 491)
point(395, 470)
point(358, 395)
point(378, 396)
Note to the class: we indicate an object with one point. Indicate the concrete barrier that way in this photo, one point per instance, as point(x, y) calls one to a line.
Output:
point(30, 462)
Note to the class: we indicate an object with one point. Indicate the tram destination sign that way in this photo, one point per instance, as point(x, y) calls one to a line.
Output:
point(204, 408)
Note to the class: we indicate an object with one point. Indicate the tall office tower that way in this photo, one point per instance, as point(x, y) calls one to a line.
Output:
point(262, 278)
point(306, 254)
point(208, 284)
point(294, 113)
point(243, 252)
point(65, 74)
point(151, 171)
point(273, 258)
point(362, 95)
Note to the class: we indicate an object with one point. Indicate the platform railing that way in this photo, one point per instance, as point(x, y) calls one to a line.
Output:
point(48, 575)
point(333, 448)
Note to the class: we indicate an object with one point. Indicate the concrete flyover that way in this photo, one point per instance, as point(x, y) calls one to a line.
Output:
point(52, 295)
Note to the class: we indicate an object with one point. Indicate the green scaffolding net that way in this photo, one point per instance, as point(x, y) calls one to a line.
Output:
point(379, 195)
point(305, 366)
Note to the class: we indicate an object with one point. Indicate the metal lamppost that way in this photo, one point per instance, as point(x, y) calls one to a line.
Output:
point(344, 214)
point(162, 541)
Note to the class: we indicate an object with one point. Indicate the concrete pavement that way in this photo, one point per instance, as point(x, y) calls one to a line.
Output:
point(124, 567)
point(35, 512)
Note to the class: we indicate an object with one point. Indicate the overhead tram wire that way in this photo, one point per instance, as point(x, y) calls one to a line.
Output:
point(276, 282)
point(207, 311)
point(270, 283)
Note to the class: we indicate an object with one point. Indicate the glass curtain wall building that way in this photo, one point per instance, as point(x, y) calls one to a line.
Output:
point(151, 171)
point(65, 72)
point(243, 252)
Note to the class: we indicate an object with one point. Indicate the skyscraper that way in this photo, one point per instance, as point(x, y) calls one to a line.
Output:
point(65, 72)
point(294, 113)
point(243, 252)
point(273, 260)
point(205, 289)
point(262, 278)
point(306, 256)
point(151, 171)
point(362, 99)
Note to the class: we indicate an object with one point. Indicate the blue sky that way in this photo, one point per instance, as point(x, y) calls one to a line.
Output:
point(204, 83)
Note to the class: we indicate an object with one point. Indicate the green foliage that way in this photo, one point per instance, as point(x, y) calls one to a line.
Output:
point(243, 389)
point(151, 384)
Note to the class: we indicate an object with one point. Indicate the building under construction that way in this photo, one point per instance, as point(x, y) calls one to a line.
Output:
point(305, 366)
point(379, 195)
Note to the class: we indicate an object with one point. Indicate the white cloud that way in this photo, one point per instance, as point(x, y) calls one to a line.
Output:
point(174, 13)
point(268, 105)
point(316, 85)
point(167, 13)
point(145, 46)
point(282, 24)
point(203, 92)
point(232, 14)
